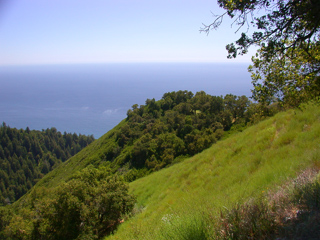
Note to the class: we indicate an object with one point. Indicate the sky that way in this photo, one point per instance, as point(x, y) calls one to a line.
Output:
point(36, 32)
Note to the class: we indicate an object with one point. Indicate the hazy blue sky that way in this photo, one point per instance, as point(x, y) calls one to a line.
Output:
point(95, 31)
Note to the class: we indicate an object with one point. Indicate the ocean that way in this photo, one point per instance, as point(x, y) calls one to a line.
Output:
point(93, 98)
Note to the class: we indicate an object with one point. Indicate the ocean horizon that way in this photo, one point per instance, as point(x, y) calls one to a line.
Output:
point(94, 98)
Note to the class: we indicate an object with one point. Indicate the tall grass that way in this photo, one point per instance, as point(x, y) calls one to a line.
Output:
point(185, 227)
point(244, 166)
point(293, 212)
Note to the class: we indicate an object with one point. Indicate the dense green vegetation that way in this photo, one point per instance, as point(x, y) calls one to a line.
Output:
point(161, 133)
point(179, 201)
point(182, 200)
point(185, 200)
point(90, 205)
point(282, 25)
point(181, 124)
point(153, 136)
point(26, 156)
point(287, 32)
point(285, 72)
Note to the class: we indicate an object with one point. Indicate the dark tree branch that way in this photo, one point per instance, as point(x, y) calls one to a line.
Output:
point(296, 21)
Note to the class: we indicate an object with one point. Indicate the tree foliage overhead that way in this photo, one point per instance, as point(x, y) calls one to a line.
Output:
point(289, 79)
point(287, 66)
point(284, 24)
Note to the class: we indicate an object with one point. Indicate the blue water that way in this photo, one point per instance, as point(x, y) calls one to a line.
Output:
point(92, 99)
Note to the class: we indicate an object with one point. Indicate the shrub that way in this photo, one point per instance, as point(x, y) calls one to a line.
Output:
point(89, 206)
point(252, 220)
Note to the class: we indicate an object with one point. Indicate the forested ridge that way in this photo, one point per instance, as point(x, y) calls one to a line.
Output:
point(88, 196)
point(153, 136)
point(27, 155)
point(177, 126)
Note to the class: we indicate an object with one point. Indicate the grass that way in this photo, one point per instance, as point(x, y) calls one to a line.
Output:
point(292, 212)
point(89, 155)
point(78, 162)
point(242, 167)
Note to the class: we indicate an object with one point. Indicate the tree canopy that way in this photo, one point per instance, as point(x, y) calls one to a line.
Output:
point(285, 24)
point(289, 79)
point(180, 124)
point(90, 205)
point(287, 65)
point(27, 155)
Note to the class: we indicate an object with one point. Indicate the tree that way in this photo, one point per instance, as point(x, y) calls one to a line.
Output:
point(287, 65)
point(89, 206)
point(24, 154)
point(289, 78)
point(297, 21)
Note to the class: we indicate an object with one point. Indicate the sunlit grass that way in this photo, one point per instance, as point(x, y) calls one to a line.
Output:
point(243, 166)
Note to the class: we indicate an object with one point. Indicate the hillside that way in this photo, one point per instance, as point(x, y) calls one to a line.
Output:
point(158, 134)
point(27, 155)
point(244, 166)
point(70, 201)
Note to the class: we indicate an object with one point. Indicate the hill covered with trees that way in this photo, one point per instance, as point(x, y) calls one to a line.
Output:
point(153, 136)
point(26, 156)
point(86, 198)
point(160, 133)
point(180, 124)
point(261, 183)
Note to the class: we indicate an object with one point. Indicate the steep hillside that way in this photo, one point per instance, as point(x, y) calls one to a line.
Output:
point(243, 166)
point(158, 134)
point(27, 155)
point(91, 155)
point(153, 136)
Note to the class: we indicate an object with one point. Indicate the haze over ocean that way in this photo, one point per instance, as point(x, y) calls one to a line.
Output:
point(93, 98)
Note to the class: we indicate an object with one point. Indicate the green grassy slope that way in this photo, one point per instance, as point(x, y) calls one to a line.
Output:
point(242, 166)
point(158, 133)
point(89, 155)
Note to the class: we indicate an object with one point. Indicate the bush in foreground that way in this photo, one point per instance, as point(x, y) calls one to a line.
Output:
point(293, 212)
point(89, 206)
